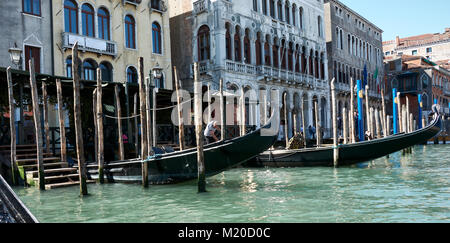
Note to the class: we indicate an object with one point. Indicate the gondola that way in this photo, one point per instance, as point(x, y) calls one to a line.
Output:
point(349, 154)
point(175, 167)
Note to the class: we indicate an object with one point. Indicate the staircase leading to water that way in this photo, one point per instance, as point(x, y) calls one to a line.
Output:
point(56, 173)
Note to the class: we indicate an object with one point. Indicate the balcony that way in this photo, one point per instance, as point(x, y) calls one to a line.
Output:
point(201, 6)
point(89, 44)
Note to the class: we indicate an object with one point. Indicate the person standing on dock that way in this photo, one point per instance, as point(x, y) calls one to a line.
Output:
point(210, 131)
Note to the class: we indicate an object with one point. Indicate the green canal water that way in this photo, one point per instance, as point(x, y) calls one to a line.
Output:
point(411, 188)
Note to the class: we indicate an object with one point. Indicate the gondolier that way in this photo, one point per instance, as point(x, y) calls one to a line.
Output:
point(210, 131)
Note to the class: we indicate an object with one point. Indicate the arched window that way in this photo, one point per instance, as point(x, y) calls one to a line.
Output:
point(156, 37)
point(89, 68)
point(103, 24)
point(290, 56)
point(272, 8)
point(237, 46)
point(294, 15)
point(69, 67)
point(247, 53)
point(267, 61)
point(70, 16)
point(283, 54)
point(280, 11)
point(87, 20)
point(255, 5)
point(132, 75)
point(340, 39)
point(130, 32)
point(264, 7)
point(228, 42)
point(275, 54)
point(303, 59)
point(258, 50)
point(287, 12)
point(319, 26)
point(203, 43)
point(106, 70)
point(32, 7)
point(300, 12)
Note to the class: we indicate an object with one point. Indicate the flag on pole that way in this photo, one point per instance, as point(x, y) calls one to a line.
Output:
point(375, 76)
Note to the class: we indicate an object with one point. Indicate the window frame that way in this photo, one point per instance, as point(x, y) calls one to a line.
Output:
point(204, 43)
point(71, 9)
point(32, 8)
point(156, 47)
point(130, 27)
point(85, 15)
point(101, 27)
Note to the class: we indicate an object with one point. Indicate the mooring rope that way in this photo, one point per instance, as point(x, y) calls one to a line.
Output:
point(157, 109)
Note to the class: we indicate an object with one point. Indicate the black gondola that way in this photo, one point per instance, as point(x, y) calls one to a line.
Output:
point(181, 166)
point(348, 153)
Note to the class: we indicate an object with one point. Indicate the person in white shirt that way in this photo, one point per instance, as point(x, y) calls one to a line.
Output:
point(209, 132)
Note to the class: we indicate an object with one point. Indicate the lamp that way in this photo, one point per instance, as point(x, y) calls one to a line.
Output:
point(15, 54)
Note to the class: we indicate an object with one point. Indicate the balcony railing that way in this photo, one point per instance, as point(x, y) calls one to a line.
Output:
point(90, 44)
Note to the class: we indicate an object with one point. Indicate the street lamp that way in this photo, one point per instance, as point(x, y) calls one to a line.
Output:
point(15, 55)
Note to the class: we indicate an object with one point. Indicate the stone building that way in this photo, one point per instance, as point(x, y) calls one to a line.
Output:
point(353, 44)
point(112, 35)
point(416, 75)
point(435, 47)
point(27, 30)
point(257, 45)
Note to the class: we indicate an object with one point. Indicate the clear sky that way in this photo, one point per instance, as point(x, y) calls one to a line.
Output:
point(404, 17)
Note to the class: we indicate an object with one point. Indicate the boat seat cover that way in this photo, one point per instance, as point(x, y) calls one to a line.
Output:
point(158, 150)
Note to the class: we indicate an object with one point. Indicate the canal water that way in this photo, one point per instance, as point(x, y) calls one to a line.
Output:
point(411, 188)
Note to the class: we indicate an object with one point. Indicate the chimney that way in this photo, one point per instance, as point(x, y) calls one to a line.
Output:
point(397, 40)
point(447, 30)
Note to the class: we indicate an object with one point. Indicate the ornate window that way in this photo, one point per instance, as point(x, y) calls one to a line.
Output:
point(156, 4)
point(70, 16)
point(287, 12)
point(237, 46)
point(87, 20)
point(228, 42)
point(258, 50)
point(156, 38)
point(203, 43)
point(130, 32)
point(272, 8)
point(267, 54)
point(247, 53)
point(300, 12)
point(103, 24)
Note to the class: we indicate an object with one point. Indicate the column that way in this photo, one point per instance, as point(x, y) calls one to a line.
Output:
point(253, 48)
point(263, 50)
point(220, 52)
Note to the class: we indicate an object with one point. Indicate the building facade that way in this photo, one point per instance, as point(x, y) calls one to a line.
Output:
point(27, 29)
point(259, 46)
point(435, 47)
point(353, 45)
point(415, 75)
point(112, 35)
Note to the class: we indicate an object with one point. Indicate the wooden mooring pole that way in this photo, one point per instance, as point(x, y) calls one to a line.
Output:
point(136, 130)
point(77, 120)
point(62, 126)
point(318, 134)
point(45, 115)
point(335, 128)
point(222, 112)
point(94, 111)
point(99, 117)
point(352, 111)
point(119, 123)
point(368, 117)
point(198, 131)
point(142, 103)
point(12, 126)
point(383, 115)
point(345, 125)
point(148, 110)
point(303, 124)
point(180, 110)
point(286, 135)
point(37, 125)
point(377, 123)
